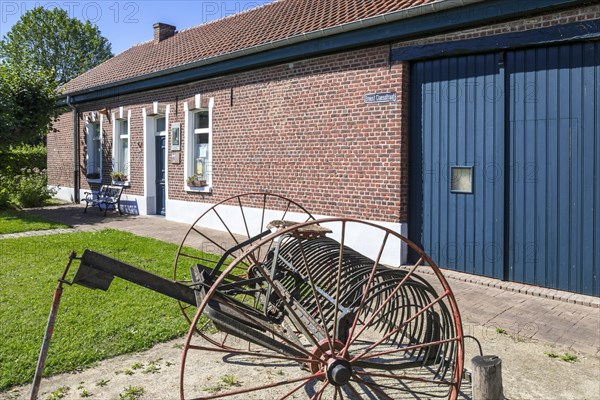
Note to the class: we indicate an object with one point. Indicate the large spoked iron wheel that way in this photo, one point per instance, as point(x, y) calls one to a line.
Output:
point(222, 230)
point(327, 314)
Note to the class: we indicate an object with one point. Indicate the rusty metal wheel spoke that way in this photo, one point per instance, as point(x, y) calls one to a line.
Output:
point(224, 225)
point(361, 324)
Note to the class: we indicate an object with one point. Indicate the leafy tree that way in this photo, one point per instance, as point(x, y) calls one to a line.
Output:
point(43, 50)
point(27, 104)
point(51, 40)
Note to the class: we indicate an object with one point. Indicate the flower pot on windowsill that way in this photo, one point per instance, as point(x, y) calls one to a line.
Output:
point(197, 183)
point(119, 177)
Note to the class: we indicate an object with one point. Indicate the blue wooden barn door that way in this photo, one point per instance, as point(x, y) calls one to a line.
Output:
point(457, 162)
point(554, 193)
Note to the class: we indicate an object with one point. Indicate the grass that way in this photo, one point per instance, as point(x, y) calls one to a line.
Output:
point(15, 221)
point(132, 393)
point(91, 325)
point(567, 357)
point(225, 382)
point(59, 393)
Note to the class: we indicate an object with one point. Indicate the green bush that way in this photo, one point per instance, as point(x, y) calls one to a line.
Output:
point(14, 158)
point(23, 180)
point(30, 188)
point(4, 196)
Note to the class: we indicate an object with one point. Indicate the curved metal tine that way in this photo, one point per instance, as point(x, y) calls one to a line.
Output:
point(412, 392)
point(408, 348)
point(314, 289)
point(257, 388)
point(338, 283)
point(364, 296)
point(403, 324)
point(387, 300)
point(295, 319)
point(374, 386)
point(405, 378)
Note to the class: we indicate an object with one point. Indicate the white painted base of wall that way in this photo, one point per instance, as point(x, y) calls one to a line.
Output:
point(363, 238)
point(63, 193)
point(130, 204)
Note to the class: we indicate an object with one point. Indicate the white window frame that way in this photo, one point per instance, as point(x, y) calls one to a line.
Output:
point(119, 163)
point(189, 144)
point(91, 120)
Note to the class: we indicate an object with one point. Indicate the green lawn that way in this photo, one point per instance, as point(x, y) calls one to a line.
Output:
point(15, 221)
point(92, 325)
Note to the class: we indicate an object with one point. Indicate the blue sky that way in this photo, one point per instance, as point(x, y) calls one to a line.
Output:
point(125, 23)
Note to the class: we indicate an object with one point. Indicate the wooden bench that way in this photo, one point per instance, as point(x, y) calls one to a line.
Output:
point(108, 197)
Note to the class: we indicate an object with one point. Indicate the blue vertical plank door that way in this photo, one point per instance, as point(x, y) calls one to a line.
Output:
point(527, 122)
point(461, 124)
point(554, 226)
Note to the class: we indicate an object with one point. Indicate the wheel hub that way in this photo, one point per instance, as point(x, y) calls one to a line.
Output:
point(339, 371)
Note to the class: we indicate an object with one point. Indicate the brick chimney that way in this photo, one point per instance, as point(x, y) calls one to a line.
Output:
point(163, 31)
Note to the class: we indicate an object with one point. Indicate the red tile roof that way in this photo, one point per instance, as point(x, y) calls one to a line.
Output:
point(265, 24)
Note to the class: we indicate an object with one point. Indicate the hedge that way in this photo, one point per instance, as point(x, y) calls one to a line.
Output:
point(15, 159)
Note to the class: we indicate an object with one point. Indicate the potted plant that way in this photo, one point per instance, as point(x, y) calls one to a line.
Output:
point(118, 176)
point(196, 181)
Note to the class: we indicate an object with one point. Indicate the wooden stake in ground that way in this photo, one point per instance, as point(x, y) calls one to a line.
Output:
point(487, 378)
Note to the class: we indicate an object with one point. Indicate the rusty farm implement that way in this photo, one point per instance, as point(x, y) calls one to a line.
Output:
point(325, 301)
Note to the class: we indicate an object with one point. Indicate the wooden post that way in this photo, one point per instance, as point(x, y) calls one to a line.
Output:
point(487, 378)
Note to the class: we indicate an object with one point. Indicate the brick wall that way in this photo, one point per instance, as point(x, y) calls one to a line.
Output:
point(301, 130)
point(543, 20)
point(60, 152)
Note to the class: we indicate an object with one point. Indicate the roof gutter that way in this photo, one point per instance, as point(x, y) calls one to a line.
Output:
point(424, 19)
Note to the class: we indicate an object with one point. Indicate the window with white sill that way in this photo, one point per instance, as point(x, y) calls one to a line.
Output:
point(94, 151)
point(121, 154)
point(199, 149)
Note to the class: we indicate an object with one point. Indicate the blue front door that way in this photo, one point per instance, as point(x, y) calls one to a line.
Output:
point(457, 162)
point(160, 175)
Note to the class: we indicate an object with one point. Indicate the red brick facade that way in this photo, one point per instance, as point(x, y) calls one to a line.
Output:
point(300, 129)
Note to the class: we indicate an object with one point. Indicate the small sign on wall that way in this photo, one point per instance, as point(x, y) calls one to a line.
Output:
point(387, 97)
point(175, 157)
point(175, 135)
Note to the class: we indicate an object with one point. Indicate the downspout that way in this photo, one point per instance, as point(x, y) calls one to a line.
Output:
point(76, 188)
